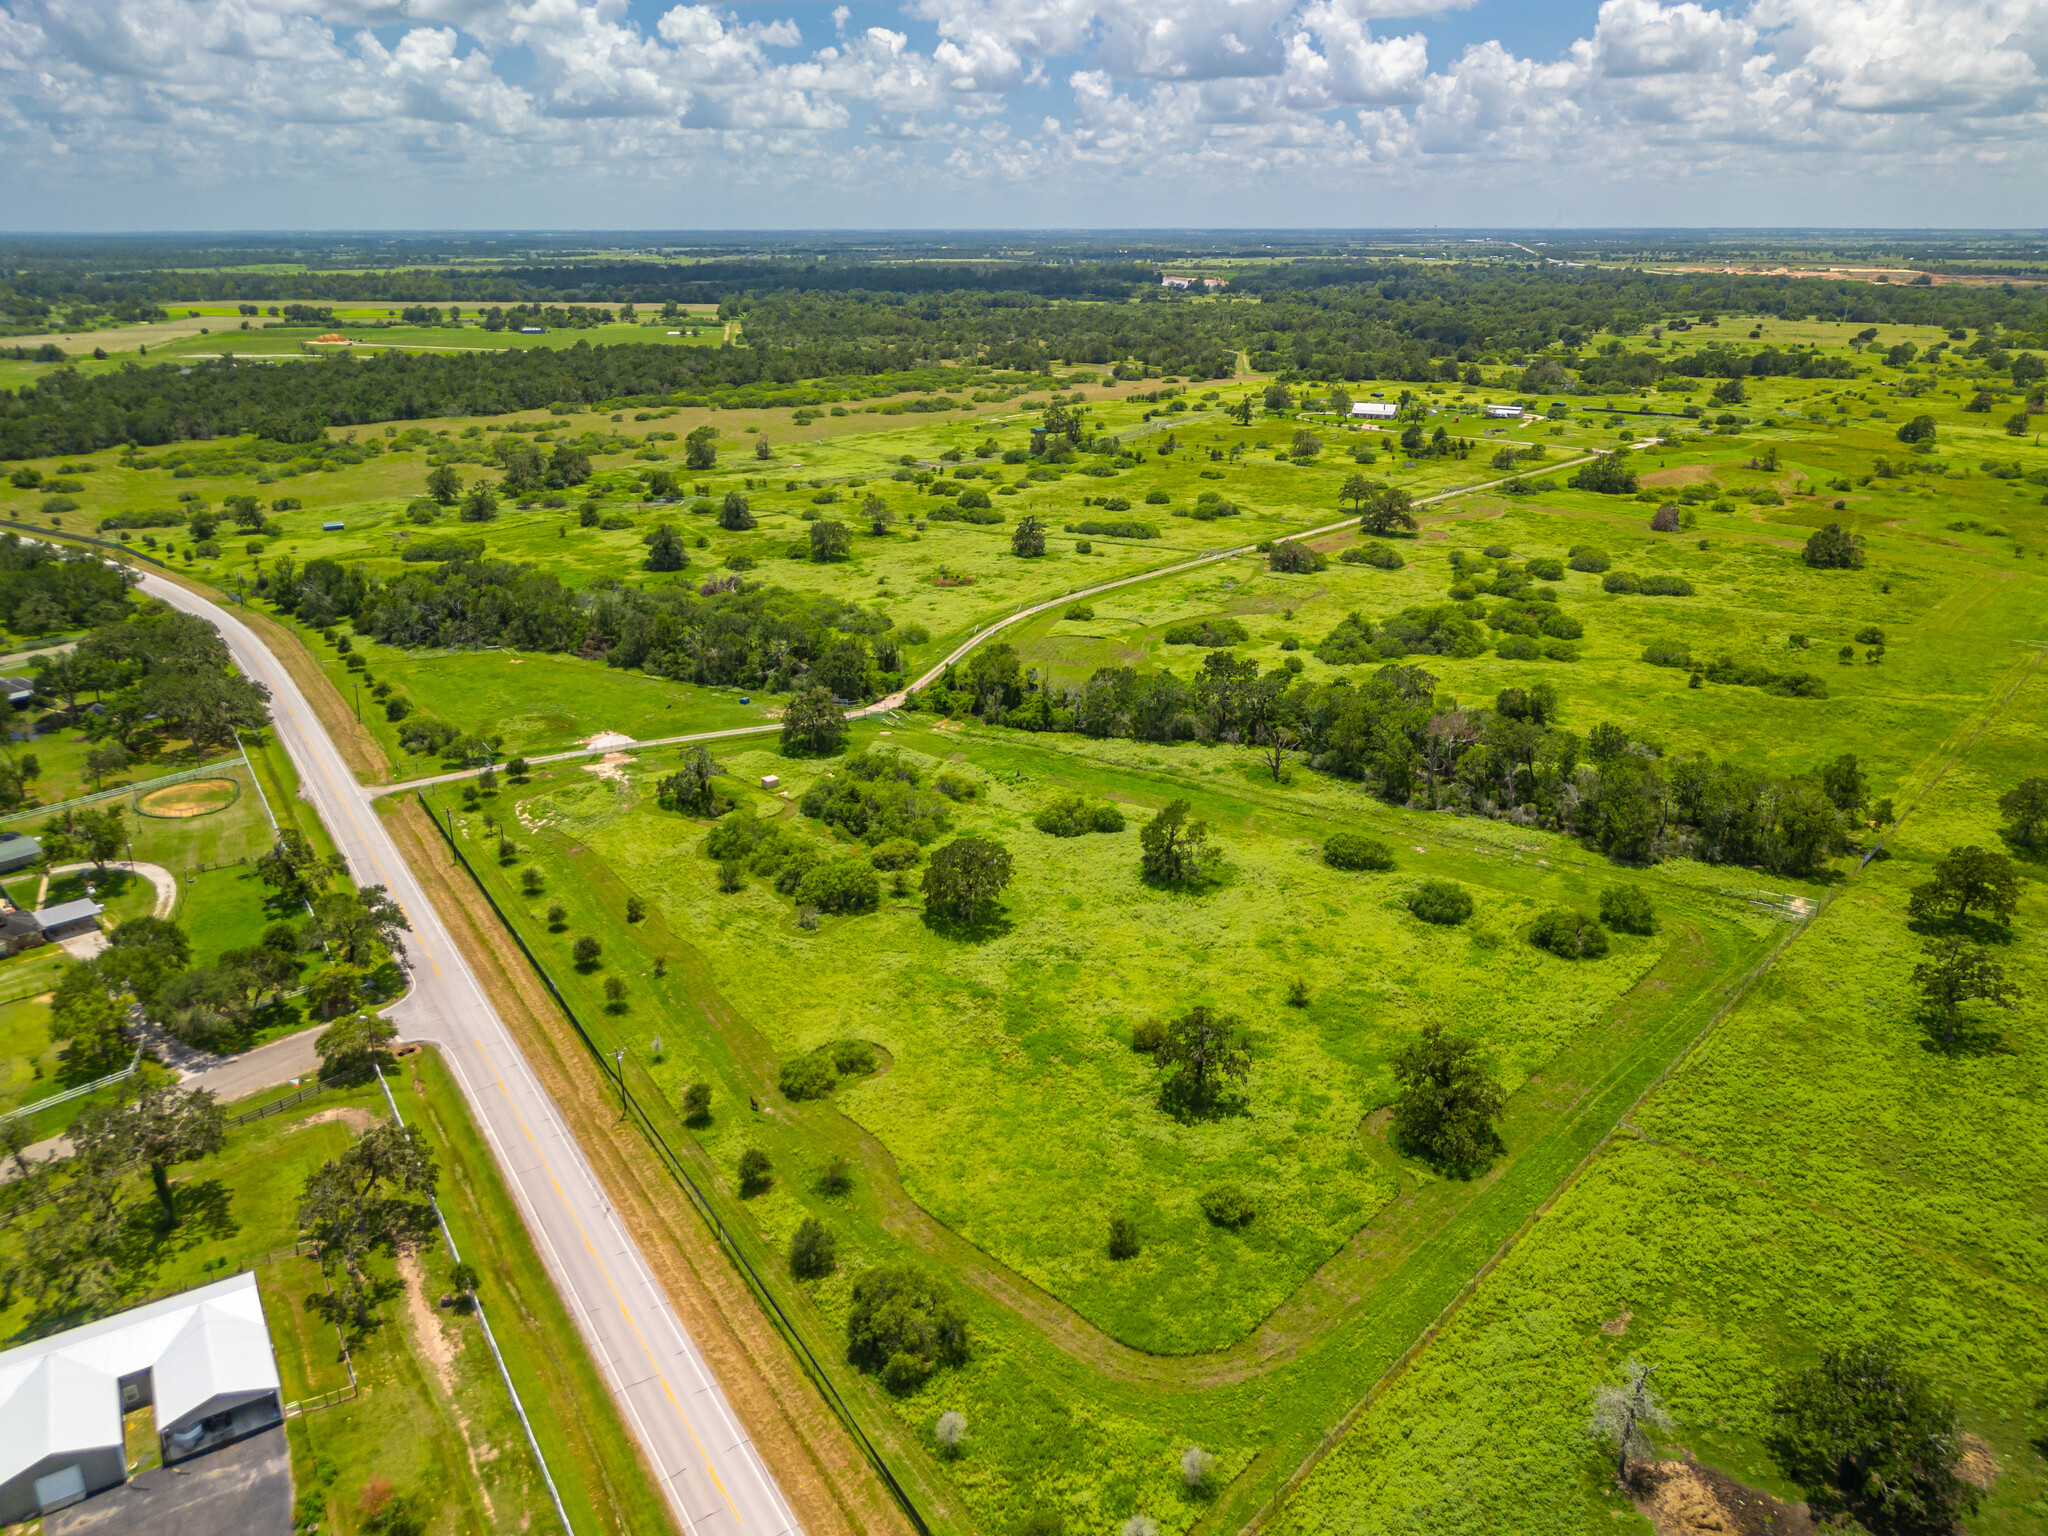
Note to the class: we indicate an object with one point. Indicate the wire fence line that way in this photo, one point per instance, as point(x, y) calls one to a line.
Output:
point(75, 1093)
point(212, 770)
point(812, 1366)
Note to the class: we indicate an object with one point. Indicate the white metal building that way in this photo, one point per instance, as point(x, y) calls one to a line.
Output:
point(1375, 410)
point(202, 1357)
point(1506, 412)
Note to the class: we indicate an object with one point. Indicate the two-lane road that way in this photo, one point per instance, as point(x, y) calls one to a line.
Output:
point(714, 1477)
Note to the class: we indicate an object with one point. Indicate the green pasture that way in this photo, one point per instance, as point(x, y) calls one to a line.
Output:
point(1817, 1172)
point(1011, 1117)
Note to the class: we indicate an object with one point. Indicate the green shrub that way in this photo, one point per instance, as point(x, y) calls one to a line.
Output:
point(1571, 935)
point(902, 1325)
point(1147, 1035)
point(1073, 816)
point(1123, 1238)
point(1444, 902)
point(1350, 850)
point(813, 1251)
point(842, 885)
point(756, 1171)
point(1211, 634)
point(807, 1077)
point(1627, 908)
point(1227, 1205)
point(852, 1058)
point(896, 853)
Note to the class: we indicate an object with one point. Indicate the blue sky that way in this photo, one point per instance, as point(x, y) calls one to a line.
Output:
point(1021, 113)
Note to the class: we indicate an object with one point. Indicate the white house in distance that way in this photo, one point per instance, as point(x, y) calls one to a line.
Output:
point(1182, 280)
point(1374, 410)
point(1505, 412)
point(202, 1357)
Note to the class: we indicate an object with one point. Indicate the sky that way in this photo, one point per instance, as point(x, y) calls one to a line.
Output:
point(1021, 114)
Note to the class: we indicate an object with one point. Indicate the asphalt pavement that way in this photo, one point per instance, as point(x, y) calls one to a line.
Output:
point(713, 1475)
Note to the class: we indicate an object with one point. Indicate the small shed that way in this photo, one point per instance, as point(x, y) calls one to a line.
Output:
point(771, 781)
point(18, 851)
point(332, 527)
point(1505, 412)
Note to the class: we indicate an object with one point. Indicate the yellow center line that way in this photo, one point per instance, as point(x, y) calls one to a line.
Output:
point(625, 1311)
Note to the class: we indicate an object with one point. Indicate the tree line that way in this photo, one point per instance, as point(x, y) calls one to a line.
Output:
point(1411, 744)
point(751, 634)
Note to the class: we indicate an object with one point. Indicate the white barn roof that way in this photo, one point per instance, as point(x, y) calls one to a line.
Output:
point(63, 1394)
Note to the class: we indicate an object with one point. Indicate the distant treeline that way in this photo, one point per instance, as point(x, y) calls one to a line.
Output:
point(32, 294)
point(65, 412)
point(726, 633)
point(1486, 306)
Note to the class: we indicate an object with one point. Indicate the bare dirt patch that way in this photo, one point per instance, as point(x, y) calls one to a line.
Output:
point(1615, 1327)
point(435, 1346)
point(608, 739)
point(1683, 1498)
point(611, 766)
point(1684, 474)
point(199, 797)
point(354, 1116)
point(1977, 1466)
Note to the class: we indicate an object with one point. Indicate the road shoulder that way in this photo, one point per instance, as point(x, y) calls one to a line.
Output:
point(817, 1465)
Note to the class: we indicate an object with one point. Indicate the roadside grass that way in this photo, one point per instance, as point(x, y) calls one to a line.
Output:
point(538, 701)
point(596, 1464)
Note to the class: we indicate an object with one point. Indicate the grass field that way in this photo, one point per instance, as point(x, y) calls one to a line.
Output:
point(1737, 1141)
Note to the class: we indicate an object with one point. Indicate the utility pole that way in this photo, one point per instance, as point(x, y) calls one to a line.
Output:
point(619, 1061)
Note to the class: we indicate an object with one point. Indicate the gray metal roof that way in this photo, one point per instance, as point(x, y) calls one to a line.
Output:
point(69, 912)
point(63, 1393)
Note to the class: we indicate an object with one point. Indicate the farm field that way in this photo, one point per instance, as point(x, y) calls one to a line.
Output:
point(1726, 1143)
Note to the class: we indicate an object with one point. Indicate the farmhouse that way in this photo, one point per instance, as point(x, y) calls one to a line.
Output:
point(1505, 412)
point(202, 1359)
point(1374, 410)
point(1181, 280)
